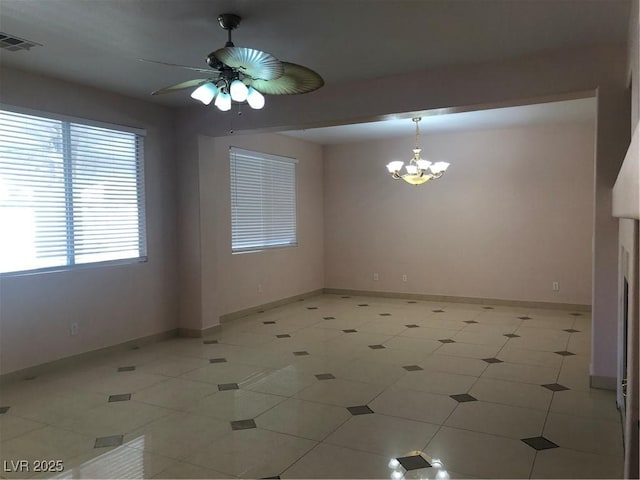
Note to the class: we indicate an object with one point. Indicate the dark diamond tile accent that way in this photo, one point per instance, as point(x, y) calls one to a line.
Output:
point(360, 410)
point(328, 318)
point(301, 353)
point(312, 308)
point(412, 301)
point(217, 360)
point(565, 353)
point(325, 376)
point(227, 386)
point(345, 296)
point(301, 299)
point(260, 311)
point(31, 377)
point(576, 314)
point(488, 308)
point(136, 347)
point(412, 325)
point(447, 340)
point(243, 424)
point(511, 335)
point(350, 330)
point(269, 322)
point(363, 304)
point(111, 441)
point(210, 342)
point(130, 368)
point(571, 330)
point(385, 314)
point(524, 317)
point(284, 335)
point(555, 387)
point(470, 321)
point(277, 477)
point(121, 397)
point(376, 347)
point(463, 397)
point(439, 310)
point(492, 360)
point(4, 410)
point(539, 443)
point(413, 462)
point(412, 368)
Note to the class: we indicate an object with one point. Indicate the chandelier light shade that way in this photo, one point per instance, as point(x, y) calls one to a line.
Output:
point(418, 171)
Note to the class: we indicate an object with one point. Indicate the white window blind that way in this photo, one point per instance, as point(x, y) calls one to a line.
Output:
point(263, 201)
point(69, 193)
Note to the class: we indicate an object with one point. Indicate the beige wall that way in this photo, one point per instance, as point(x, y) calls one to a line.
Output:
point(612, 140)
point(111, 304)
point(188, 234)
point(229, 283)
point(512, 215)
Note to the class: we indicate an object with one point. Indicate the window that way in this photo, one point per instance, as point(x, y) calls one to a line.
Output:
point(263, 201)
point(70, 193)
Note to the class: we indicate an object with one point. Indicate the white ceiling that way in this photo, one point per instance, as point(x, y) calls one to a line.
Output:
point(99, 42)
point(568, 111)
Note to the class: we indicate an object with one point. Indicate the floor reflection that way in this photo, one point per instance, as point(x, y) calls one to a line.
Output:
point(125, 461)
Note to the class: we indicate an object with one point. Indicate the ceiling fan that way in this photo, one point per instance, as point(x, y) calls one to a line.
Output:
point(244, 74)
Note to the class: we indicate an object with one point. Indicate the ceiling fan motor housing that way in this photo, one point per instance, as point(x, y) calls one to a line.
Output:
point(214, 63)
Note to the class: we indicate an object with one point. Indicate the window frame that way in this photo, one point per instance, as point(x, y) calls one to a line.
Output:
point(66, 120)
point(268, 157)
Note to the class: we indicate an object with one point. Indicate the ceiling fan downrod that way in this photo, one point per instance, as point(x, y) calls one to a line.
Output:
point(229, 21)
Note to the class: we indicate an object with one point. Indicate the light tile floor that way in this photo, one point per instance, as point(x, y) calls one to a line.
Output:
point(440, 389)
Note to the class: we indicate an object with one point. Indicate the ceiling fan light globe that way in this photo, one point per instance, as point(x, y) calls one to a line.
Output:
point(238, 91)
point(412, 169)
point(255, 99)
point(223, 102)
point(205, 93)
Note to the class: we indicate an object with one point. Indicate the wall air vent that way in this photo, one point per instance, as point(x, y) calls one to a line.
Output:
point(13, 43)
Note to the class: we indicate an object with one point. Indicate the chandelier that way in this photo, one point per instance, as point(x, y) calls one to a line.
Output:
point(418, 171)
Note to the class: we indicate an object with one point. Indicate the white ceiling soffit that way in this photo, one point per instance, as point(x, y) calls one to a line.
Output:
point(568, 111)
point(99, 42)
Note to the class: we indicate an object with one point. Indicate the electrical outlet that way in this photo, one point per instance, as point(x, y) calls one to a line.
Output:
point(555, 286)
point(404, 277)
point(259, 288)
point(73, 329)
point(376, 276)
